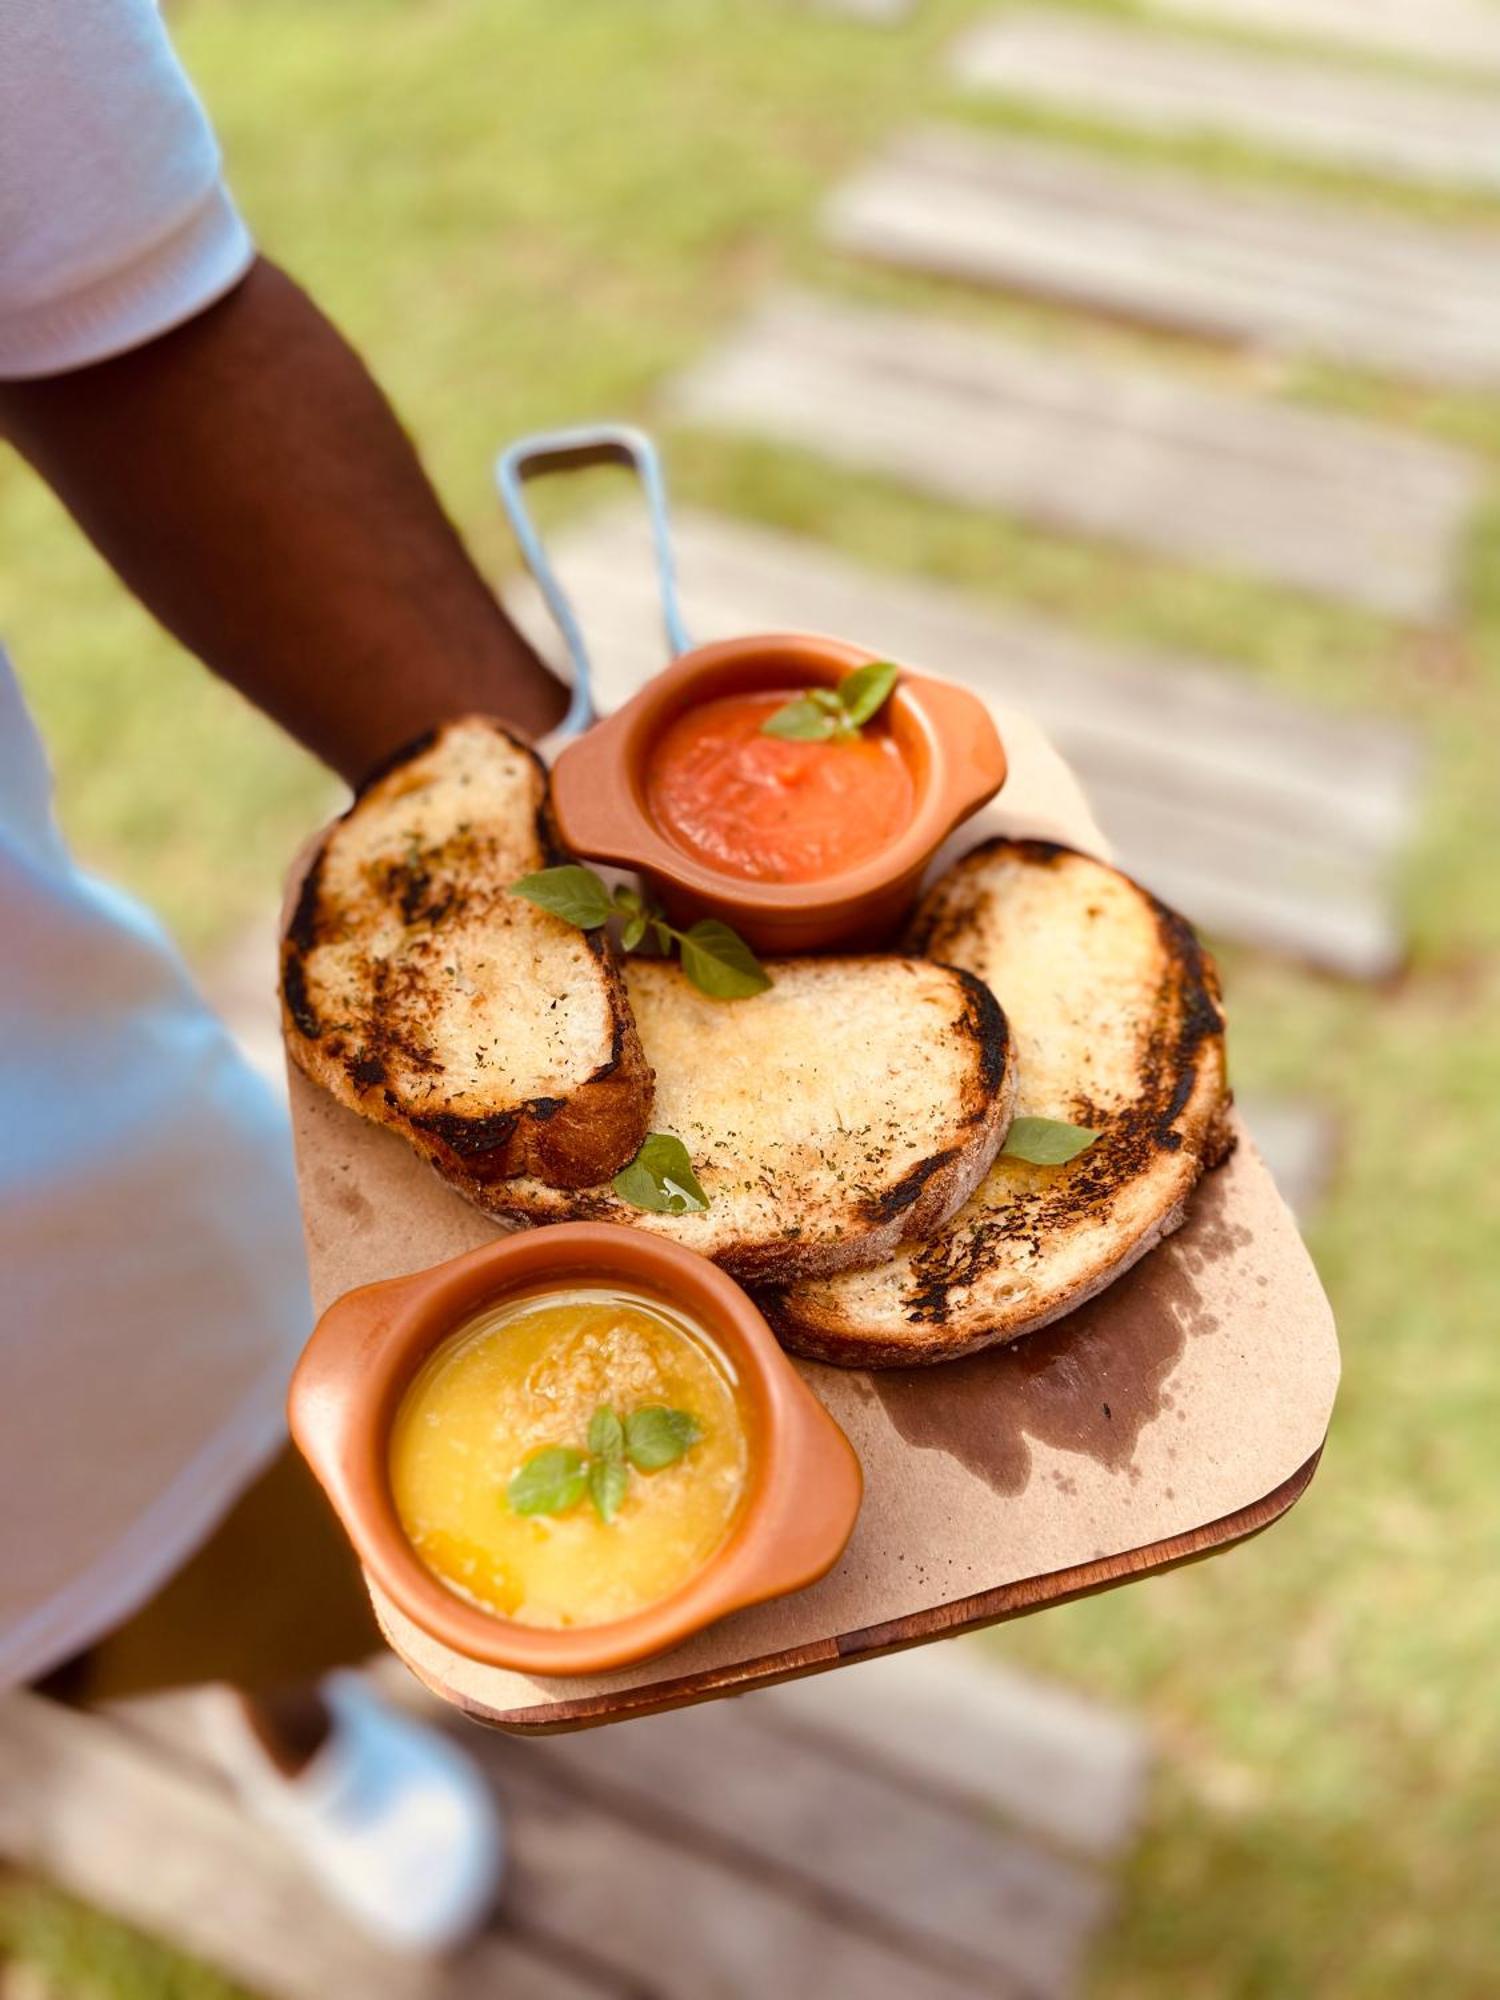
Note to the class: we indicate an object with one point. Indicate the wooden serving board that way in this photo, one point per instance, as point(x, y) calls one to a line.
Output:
point(1179, 1412)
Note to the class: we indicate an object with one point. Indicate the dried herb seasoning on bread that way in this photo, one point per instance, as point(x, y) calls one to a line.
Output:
point(1114, 1007)
point(857, 1101)
point(494, 1037)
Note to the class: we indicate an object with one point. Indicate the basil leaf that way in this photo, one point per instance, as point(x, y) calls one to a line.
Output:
point(608, 1479)
point(550, 1482)
point(801, 721)
point(661, 1178)
point(865, 692)
point(828, 700)
point(661, 936)
point(719, 962)
point(1046, 1142)
point(637, 912)
point(571, 892)
point(606, 1433)
point(655, 1437)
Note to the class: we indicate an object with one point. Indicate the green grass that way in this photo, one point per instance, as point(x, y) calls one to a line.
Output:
point(80, 1954)
point(532, 213)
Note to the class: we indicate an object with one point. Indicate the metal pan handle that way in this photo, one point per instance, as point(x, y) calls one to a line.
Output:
point(564, 451)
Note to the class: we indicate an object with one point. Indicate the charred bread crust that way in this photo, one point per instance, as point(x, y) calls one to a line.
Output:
point(921, 1202)
point(816, 1336)
point(923, 1199)
point(573, 1139)
point(868, 1225)
point(1176, 1128)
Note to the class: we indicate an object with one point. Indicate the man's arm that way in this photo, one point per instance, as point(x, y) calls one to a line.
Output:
point(251, 485)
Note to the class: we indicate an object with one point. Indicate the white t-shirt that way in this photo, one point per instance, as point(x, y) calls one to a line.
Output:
point(152, 1288)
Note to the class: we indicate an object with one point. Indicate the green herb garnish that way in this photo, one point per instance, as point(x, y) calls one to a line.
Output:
point(606, 1433)
point(716, 959)
point(655, 1437)
point(808, 719)
point(1046, 1142)
point(661, 1178)
point(555, 1479)
point(719, 962)
point(608, 1479)
point(550, 1482)
point(842, 711)
point(572, 892)
point(609, 1475)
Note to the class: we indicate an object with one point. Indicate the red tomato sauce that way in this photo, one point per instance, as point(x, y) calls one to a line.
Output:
point(772, 810)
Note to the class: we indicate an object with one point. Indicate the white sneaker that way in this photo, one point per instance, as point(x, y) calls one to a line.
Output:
point(391, 1818)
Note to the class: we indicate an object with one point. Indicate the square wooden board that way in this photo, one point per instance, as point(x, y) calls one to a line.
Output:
point(1180, 1411)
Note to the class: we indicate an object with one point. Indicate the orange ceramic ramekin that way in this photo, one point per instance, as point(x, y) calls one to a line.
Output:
point(944, 734)
point(804, 1486)
point(599, 789)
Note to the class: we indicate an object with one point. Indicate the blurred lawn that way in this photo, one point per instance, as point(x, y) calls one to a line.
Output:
point(80, 1954)
point(528, 213)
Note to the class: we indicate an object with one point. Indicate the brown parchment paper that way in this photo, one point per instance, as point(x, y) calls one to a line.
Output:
point(1188, 1391)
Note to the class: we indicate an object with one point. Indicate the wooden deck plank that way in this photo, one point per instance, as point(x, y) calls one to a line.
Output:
point(1156, 244)
point(684, 1922)
point(929, 1875)
point(106, 1816)
point(1297, 1142)
point(1308, 106)
point(873, 13)
point(1047, 1759)
point(1304, 812)
point(1324, 504)
point(813, 1859)
point(737, 576)
point(1462, 34)
point(24, 1982)
point(1197, 863)
point(1341, 785)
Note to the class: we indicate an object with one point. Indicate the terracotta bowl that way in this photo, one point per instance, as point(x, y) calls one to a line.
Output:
point(804, 1483)
point(944, 732)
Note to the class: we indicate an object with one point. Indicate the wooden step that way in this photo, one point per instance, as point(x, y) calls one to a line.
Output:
point(1266, 820)
point(677, 1916)
point(1001, 1777)
point(739, 1848)
point(1297, 1141)
point(1318, 503)
point(874, 13)
point(1162, 246)
point(808, 1818)
point(1183, 86)
point(110, 1818)
point(22, 1982)
point(1025, 1750)
point(1464, 35)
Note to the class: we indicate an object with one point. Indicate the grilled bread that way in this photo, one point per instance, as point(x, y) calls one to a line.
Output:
point(495, 1038)
point(1115, 1012)
point(858, 1101)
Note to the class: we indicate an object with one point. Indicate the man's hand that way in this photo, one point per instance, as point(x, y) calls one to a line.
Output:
point(251, 485)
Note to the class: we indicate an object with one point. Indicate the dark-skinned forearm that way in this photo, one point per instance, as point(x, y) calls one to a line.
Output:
point(251, 485)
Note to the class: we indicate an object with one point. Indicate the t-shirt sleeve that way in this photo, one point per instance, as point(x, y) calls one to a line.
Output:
point(115, 224)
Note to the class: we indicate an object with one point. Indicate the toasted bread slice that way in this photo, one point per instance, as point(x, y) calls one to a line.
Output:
point(858, 1101)
point(1115, 1010)
point(494, 1037)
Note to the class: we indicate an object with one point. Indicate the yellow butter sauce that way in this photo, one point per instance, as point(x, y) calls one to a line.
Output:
point(529, 1374)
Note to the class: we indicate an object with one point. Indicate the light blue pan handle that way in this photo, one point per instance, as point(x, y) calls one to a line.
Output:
point(564, 451)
